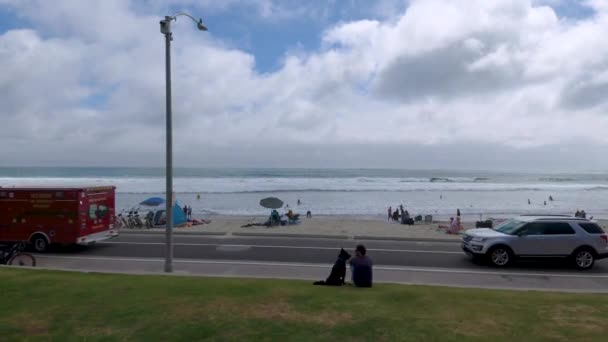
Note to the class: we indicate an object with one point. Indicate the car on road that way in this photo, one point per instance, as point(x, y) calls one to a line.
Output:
point(578, 240)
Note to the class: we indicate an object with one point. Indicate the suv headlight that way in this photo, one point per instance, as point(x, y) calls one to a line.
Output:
point(479, 239)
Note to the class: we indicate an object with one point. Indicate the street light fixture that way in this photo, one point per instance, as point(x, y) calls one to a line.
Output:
point(165, 28)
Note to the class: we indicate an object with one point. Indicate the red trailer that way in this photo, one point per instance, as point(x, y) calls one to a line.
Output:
point(64, 216)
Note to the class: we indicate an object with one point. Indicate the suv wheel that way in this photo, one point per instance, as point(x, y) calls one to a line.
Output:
point(500, 256)
point(584, 258)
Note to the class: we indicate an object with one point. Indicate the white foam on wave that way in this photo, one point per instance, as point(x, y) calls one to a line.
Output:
point(284, 184)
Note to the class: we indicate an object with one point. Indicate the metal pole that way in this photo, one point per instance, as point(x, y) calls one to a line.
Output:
point(169, 171)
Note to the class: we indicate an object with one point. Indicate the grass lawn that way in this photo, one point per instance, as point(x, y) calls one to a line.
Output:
point(63, 306)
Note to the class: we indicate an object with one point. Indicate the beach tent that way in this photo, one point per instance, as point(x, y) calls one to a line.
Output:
point(179, 218)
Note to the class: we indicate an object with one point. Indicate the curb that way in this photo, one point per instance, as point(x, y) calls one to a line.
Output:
point(153, 232)
point(364, 237)
point(313, 236)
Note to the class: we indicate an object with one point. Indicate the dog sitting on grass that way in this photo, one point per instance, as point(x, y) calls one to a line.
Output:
point(338, 271)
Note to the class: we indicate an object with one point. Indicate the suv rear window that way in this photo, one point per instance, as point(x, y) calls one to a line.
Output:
point(591, 228)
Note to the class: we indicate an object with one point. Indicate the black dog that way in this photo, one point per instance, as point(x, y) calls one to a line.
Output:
point(338, 271)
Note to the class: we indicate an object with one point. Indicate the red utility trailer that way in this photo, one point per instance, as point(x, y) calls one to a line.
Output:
point(64, 216)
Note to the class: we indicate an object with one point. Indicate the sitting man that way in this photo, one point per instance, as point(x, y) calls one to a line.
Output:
point(361, 268)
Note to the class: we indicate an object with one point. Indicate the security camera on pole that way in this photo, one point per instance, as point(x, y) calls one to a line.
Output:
point(165, 28)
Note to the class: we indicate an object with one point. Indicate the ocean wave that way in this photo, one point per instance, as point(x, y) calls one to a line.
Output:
point(556, 179)
point(269, 185)
point(271, 191)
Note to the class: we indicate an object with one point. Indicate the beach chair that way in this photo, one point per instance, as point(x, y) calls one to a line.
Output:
point(293, 219)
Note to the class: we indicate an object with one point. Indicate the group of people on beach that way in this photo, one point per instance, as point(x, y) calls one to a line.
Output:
point(399, 215)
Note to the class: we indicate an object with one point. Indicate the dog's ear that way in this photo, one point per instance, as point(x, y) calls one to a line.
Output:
point(344, 254)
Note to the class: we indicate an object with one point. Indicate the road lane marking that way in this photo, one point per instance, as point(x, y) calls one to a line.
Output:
point(311, 265)
point(272, 246)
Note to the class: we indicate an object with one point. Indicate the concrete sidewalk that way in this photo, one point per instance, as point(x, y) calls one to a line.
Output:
point(510, 280)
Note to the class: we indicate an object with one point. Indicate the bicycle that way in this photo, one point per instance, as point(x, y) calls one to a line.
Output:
point(14, 256)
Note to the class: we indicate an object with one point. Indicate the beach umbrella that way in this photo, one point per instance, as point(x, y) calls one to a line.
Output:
point(271, 203)
point(153, 201)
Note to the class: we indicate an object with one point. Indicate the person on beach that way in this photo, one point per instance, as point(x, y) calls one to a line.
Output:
point(309, 214)
point(186, 210)
point(583, 214)
point(361, 268)
point(396, 215)
point(198, 196)
point(545, 203)
point(457, 212)
point(390, 213)
point(442, 226)
point(529, 202)
point(299, 202)
point(578, 213)
point(190, 212)
point(550, 198)
point(455, 226)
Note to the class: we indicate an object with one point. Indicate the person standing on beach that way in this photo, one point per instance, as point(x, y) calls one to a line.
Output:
point(190, 212)
point(529, 201)
point(390, 213)
point(457, 212)
point(299, 202)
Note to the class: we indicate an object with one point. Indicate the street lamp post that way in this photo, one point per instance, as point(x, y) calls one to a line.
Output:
point(165, 28)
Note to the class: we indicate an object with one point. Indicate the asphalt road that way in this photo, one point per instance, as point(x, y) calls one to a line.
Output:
point(423, 254)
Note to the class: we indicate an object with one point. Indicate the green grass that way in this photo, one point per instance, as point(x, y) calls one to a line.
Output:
point(64, 306)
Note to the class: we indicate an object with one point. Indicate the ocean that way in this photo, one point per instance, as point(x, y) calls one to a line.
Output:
point(351, 192)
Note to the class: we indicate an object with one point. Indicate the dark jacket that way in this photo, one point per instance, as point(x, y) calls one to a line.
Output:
point(362, 271)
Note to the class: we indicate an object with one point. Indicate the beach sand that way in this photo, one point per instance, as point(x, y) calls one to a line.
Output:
point(332, 226)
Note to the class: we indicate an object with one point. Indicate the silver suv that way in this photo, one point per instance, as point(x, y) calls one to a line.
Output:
point(580, 240)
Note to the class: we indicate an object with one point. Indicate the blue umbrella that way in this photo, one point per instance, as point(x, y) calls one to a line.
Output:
point(153, 201)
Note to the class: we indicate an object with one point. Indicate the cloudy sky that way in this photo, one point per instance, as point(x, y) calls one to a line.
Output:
point(346, 83)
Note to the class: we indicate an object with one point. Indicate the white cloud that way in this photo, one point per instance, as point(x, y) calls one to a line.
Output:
point(85, 84)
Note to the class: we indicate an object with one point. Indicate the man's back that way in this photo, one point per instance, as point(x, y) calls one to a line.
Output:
point(362, 271)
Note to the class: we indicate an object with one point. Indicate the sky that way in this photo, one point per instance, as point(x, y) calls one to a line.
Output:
point(443, 84)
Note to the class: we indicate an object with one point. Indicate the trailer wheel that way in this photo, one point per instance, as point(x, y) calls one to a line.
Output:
point(40, 243)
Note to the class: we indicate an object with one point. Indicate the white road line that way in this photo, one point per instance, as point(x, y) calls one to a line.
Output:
point(272, 246)
point(310, 265)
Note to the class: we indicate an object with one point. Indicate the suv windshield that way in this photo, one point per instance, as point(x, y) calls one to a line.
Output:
point(509, 227)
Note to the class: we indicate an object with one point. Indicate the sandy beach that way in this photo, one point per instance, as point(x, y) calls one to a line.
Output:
point(332, 226)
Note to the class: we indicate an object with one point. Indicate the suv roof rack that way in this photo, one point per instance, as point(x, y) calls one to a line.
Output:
point(563, 218)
